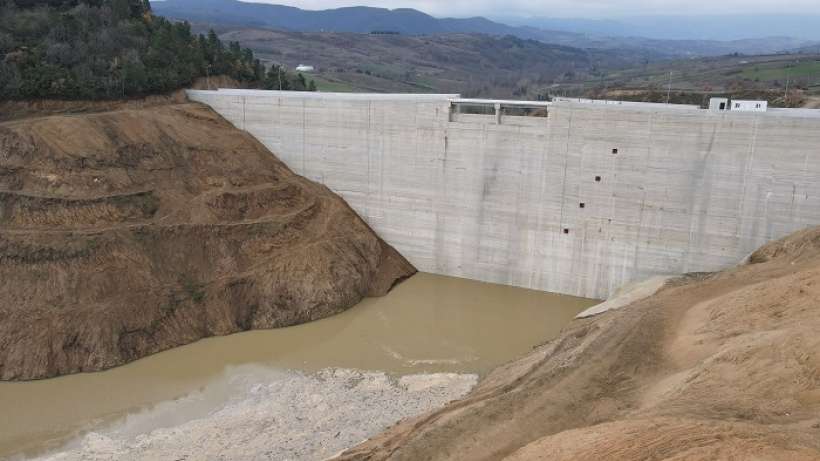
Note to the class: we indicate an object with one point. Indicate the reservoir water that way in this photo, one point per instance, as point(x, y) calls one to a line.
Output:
point(428, 324)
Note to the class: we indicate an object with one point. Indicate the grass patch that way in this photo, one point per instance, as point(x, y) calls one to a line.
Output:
point(329, 86)
point(193, 289)
point(782, 70)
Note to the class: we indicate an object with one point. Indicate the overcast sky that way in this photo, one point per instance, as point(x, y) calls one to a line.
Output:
point(571, 8)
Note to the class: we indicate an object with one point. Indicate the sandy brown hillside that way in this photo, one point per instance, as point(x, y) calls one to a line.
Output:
point(126, 233)
point(723, 366)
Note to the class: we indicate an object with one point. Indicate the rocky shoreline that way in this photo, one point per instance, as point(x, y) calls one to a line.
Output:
point(272, 414)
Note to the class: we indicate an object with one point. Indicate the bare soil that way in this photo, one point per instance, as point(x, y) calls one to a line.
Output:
point(713, 366)
point(18, 110)
point(812, 102)
point(130, 232)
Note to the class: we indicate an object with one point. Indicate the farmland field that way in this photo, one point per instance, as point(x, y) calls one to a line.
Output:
point(807, 69)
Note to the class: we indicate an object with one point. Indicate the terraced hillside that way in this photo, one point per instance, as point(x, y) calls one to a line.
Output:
point(126, 233)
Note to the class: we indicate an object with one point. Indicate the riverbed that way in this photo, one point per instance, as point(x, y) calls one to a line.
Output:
point(424, 344)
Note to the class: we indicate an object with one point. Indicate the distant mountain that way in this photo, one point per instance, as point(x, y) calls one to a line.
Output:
point(812, 48)
point(358, 19)
point(412, 22)
point(701, 48)
point(591, 27)
point(702, 27)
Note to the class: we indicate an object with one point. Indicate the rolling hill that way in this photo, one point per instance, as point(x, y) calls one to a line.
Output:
point(239, 15)
point(471, 64)
point(405, 50)
point(356, 19)
point(785, 80)
point(738, 26)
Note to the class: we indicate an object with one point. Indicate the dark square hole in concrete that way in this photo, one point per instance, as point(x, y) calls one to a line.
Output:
point(582, 205)
point(566, 231)
point(597, 179)
point(614, 151)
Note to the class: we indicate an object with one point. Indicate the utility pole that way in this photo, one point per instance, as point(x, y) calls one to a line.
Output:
point(786, 96)
point(669, 90)
point(279, 73)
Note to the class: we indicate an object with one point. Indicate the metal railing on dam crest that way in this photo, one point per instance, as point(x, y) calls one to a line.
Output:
point(569, 197)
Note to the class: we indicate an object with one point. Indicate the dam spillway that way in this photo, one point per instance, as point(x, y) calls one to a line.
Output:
point(579, 199)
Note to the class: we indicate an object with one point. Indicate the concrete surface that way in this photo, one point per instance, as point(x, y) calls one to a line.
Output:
point(628, 294)
point(459, 194)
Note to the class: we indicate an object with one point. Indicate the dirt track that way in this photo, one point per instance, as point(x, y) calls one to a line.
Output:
point(126, 233)
point(723, 366)
point(812, 102)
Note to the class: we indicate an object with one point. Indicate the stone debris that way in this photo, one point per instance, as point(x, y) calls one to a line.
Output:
point(276, 415)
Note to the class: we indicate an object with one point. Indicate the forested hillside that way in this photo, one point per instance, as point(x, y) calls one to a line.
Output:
point(108, 49)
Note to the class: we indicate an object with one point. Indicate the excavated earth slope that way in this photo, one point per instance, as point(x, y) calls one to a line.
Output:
point(126, 233)
point(714, 366)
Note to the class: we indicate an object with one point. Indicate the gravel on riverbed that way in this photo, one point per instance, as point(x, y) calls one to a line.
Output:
point(275, 415)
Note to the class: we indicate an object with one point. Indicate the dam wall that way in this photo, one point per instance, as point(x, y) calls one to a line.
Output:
point(570, 198)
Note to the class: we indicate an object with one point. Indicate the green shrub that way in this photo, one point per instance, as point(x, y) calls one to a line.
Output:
point(107, 49)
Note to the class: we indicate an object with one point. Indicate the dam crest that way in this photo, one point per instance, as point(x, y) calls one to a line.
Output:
point(570, 197)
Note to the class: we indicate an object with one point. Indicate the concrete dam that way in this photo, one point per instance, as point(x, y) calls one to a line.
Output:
point(569, 197)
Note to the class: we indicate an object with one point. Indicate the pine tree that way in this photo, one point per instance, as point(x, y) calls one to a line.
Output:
point(52, 49)
point(121, 10)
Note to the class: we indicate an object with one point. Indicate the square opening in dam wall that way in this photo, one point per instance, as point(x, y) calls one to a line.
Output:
point(615, 150)
point(597, 179)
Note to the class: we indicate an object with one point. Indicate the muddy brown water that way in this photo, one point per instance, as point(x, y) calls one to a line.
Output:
point(428, 324)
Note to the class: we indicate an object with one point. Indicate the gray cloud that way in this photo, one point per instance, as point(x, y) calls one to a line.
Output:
point(572, 8)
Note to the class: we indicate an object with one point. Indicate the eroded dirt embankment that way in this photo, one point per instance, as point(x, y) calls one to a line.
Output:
point(130, 232)
point(18, 110)
point(812, 102)
point(720, 366)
